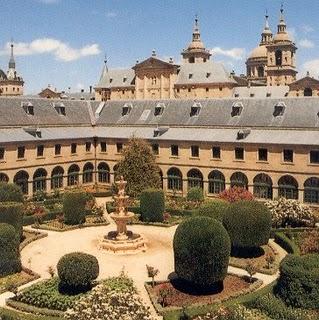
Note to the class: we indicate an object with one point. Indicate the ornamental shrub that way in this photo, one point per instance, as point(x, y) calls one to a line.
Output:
point(213, 209)
point(76, 271)
point(74, 203)
point(152, 204)
point(298, 283)
point(195, 194)
point(235, 193)
point(9, 250)
point(248, 224)
point(10, 192)
point(290, 212)
point(201, 250)
point(12, 213)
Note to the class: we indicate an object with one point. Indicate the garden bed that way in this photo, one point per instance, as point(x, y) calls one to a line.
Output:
point(258, 259)
point(179, 295)
point(44, 298)
point(55, 225)
point(17, 279)
point(168, 222)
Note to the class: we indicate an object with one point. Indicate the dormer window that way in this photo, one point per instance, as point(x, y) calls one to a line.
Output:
point(190, 76)
point(28, 108)
point(159, 109)
point(236, 95)
point(159, 131)
point(252, 95)
point(124, 79)
point(208, 74)
point(60, 108)
point(35, 132)
point(268, 94)
point(279, 109)
point(242, 134)
point(111, 80)
point(126, 109)
point(237, 108)
point(195, 109)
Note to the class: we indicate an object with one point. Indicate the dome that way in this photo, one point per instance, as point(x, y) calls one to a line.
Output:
point(2, 75)
point(281, 37)
point(259, 52)
point(196, 45)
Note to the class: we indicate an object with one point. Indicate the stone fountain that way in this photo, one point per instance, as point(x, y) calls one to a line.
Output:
point(122, 240)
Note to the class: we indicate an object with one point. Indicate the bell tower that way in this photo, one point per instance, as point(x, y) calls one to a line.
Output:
point(281, 61)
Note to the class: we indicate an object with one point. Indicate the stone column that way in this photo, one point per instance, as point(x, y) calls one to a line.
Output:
point(301, 195)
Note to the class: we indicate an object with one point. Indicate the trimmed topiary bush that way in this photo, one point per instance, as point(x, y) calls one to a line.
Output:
point(12, 213)
point(9, 250)
point(76, 271)
point(201, 250)
point(213, 209)
point(152, 204)
point(195, 194)
point(74, 203)
point(298, 284)
point(10, 192)
point(248, 224)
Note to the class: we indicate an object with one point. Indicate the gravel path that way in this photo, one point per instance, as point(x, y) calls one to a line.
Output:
point(46, 252)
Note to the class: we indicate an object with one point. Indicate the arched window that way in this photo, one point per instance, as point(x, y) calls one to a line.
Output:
point(288, 187)
point(88, 173)
point(238, 179)
point(174, 179)
point(260, 71)
point(278, 55)
point(39, 180)
point(311, 193)
point(21, 179)
point(263, 186)
point(57, 178)
point(216, 182)
point(4, 178)
point(73, 175)
point(194, 179)
point(103, 172)
point(307, 92)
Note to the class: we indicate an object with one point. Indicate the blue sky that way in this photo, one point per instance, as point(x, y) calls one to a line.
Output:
point(62, 42)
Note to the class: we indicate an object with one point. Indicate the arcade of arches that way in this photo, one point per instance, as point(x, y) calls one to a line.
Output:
point(173, 180)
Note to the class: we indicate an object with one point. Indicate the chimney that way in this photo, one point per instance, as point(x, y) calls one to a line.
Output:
point(90, 89)
point(82, 90)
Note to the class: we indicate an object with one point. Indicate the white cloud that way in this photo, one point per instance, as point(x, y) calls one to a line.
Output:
point(306, 43)
point(307, 29)
point(292, 34)
point(111, 14)
point(234, 53)
point(312, 66)
point(60, 50)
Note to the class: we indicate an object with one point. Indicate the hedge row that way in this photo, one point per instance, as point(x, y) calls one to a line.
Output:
point(10, 192)
point(7, 314)
point(28, 220)
point(290, 246)
point(12, 213)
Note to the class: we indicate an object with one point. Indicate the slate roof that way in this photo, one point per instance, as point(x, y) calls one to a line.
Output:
point(113, 78)
point(2, 75)
point(298, 125)
point(205, 72)
point(261, 92)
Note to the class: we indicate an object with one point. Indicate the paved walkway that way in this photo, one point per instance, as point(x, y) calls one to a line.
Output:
point(46, 252)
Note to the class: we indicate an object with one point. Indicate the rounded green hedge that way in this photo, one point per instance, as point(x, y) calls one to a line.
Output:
point(213, 209)
point(9, 250)
point(248, 224)
point(201, 251)
point(77, 270)
point(12, 213)
point(298, 283)
point(10, 192)
point(152, 204)
point(195, 194)
point(74, 203)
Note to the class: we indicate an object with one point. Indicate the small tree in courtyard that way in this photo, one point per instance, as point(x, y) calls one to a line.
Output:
point(138, 167)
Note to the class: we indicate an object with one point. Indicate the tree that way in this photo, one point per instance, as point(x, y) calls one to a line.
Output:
point(152, 273)
point(138, 167)
point(251, 270)
point(235, 193)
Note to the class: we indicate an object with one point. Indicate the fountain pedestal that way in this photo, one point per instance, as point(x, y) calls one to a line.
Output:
point(122, 241)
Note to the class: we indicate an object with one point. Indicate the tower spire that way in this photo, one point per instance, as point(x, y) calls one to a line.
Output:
point(266, 35)
point(196, 32)
point(282, 23)
point(12, 64)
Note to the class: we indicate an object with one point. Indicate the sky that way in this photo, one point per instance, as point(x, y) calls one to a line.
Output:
point(63, 42)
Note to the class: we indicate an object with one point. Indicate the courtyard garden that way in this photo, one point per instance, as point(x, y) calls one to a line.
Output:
point(223, 258)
